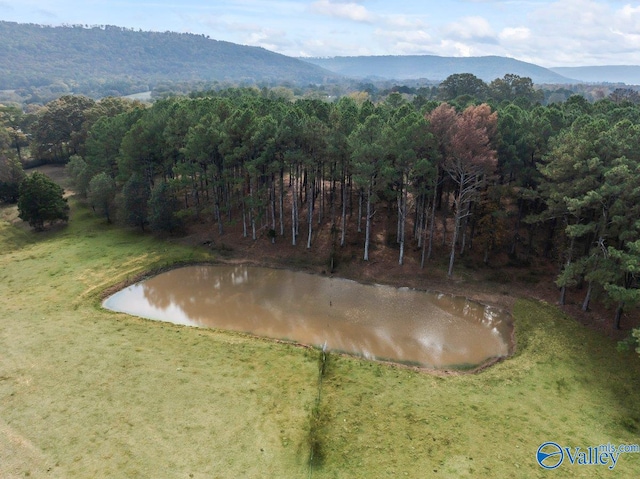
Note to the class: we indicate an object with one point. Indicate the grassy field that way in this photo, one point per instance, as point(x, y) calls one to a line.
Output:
point(87, 393)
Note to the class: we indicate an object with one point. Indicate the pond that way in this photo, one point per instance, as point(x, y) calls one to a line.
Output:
point(374, 321)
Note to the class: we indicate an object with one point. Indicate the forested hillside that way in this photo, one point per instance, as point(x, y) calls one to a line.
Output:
point(116, 59)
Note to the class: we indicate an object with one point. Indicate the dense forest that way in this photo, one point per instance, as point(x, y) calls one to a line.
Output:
point(490, 172)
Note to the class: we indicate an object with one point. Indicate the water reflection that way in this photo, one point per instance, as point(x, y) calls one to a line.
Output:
point(378, 322)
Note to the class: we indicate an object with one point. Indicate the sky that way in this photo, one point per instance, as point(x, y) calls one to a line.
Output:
point(545, 32)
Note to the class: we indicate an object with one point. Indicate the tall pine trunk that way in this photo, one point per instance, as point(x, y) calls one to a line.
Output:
point(403, 223)
point(281, 202)
point(587, 298)
point(311, 199)
point(272, 198)
point(219, 219)
point(367, 234)
point(618, 317)
point(244, 220)
point(252, 213)
point(432, 225)
point(294, 213)
point(321, 192)
point(418, 227)
point(563, 290)
point(457, 221)
point(343, 223)
point(423, 233)
point(360, 211)
point(452, 255)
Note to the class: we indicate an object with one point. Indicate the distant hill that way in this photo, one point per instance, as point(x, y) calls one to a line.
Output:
point(435, 68)
point(629, 74)
point(37, 60)
point(35, 55)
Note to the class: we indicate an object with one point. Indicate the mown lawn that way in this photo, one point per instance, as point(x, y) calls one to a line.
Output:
point(87, 393)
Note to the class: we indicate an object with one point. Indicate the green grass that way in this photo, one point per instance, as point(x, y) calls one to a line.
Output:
point(87, 393)
point(565, 384)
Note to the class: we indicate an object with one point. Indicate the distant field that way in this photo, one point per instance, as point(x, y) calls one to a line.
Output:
point(144, 96)
point(86, 393)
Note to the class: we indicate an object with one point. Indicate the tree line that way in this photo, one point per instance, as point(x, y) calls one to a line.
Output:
point(497, 178)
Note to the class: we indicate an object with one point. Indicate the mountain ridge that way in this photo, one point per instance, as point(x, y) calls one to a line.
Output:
point(627, 74)
point(39, 54)
point(110, 60)
point(436, 68)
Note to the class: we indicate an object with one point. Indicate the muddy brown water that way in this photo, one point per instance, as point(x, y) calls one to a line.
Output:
point(374, 321)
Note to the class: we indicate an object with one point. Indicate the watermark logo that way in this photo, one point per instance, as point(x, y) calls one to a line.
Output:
point(551, 455)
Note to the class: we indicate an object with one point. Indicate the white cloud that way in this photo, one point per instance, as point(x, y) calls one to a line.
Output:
point(630, 40)
point(629, 18)
point(405, 22)
point(406, 36)
point(253, 34)
point(348, 11)
point(469, 36)
point(406, 42)
point(629, 11)
point(515, 34)
point(582, 32)
point(456, 49)
point(269, 39)
point(471, 28)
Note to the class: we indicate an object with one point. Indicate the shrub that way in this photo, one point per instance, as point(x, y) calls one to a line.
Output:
point(41, 200)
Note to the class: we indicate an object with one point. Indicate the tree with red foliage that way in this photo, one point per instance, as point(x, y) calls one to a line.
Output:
point(468, 156)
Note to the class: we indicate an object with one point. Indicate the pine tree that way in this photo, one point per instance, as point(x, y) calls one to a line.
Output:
point(135, 197)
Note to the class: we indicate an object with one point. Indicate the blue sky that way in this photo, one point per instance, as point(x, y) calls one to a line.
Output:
point(549, 33)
